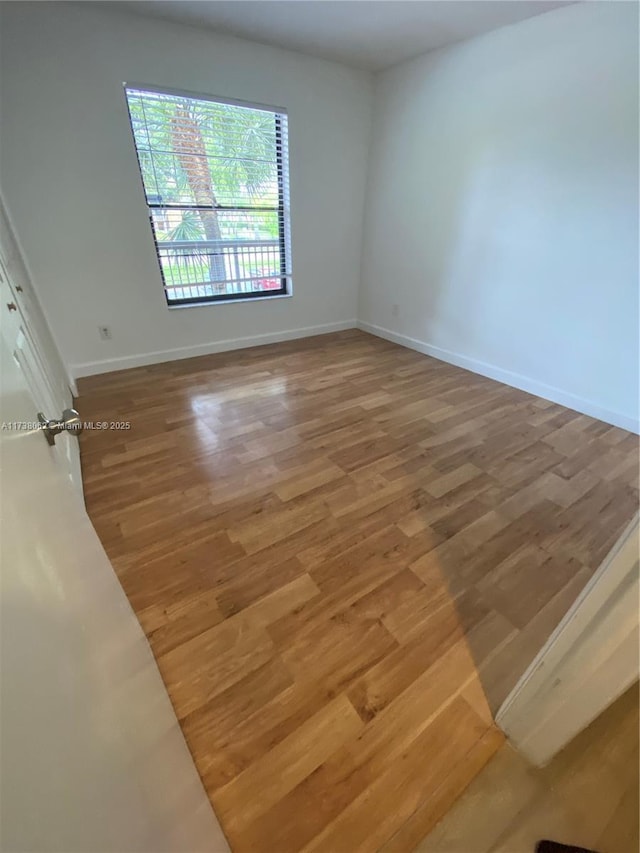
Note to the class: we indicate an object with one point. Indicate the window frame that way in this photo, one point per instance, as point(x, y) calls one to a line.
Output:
point(282, 210)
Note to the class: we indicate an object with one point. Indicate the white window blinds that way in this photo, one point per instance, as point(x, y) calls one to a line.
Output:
point(216, 178)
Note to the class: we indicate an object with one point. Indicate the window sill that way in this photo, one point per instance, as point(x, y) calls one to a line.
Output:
point(207, 304)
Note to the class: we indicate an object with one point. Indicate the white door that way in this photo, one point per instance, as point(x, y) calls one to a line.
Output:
point(92, 757)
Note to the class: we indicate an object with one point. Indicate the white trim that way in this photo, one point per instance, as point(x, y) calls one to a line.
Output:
point(45, 315)
point(199, 96)
point(208, 303)
point(107, 365)
point(588, 661)
point(73, 385)
point(508, 377)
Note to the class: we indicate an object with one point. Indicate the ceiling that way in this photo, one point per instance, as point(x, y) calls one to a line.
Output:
point(369, 34)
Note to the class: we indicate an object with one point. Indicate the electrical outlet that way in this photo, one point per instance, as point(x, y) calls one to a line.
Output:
point(395, 310)
point(105, 332)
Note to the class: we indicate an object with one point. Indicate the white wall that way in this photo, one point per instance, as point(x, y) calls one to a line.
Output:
point(502, 207)
point(501, 213)
point(69, 175)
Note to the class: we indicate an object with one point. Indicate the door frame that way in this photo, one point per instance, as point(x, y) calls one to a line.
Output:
point(56, 390)
point(586, 664)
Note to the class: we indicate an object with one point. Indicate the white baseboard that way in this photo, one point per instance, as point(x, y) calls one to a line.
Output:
point(508, 377)
point(107, 365)
point(71, 381)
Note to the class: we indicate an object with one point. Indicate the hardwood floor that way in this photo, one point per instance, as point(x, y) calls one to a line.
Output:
point(344, 553)
point(587, 796)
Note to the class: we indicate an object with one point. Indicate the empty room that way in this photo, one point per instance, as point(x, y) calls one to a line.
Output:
point(320, 340)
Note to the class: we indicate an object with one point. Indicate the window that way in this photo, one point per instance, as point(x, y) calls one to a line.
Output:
point(216, 180)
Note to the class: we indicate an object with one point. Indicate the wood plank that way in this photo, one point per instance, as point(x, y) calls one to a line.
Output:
point(276, 773)
point(405, 785)
point(332, 542)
